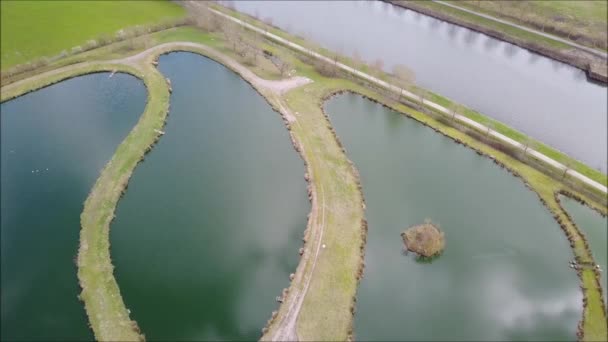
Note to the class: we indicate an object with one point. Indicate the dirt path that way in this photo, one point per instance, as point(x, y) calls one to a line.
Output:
point(272, 90)
point(397, 90)
point(275, 86)
point(286, 328)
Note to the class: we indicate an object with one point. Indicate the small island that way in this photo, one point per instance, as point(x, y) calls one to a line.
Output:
point(426, 239)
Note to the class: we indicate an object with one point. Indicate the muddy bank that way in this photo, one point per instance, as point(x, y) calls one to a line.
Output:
point(573, 57)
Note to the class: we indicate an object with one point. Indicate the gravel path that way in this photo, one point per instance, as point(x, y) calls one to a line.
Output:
point(276, 86)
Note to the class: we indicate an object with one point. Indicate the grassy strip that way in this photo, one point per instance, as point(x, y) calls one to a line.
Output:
point(107, 313)
point(320, 317)
point(586, 20)
point(507, 29)
point(502, 128)
point(108, 316)
point(325, 314)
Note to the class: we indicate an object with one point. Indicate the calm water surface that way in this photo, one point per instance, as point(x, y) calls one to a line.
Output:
point(54, 143)
point(209, 230)
point(595, 228)
point(549, 100)
point(504, 274)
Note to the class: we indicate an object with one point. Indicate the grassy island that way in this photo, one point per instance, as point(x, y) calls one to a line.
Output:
point(426, 239)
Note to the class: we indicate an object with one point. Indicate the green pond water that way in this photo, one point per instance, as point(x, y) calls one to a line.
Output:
point(595, 228)
point(209, 229)
point(54, 143)
point(504, 273)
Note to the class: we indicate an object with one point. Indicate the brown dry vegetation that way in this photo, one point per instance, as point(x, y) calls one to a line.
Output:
point(426, 239)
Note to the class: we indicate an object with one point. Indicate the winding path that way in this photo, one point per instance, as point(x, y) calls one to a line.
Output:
point(135, 61)
point(108, 315)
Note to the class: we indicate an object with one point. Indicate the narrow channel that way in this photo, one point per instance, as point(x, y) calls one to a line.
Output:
point(504, 273)
point(54, 143)
point(549, 100)
point(595, 228)
point(209, 229)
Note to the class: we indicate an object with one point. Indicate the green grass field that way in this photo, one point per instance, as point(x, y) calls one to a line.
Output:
point(33, 29)
point(587, 18)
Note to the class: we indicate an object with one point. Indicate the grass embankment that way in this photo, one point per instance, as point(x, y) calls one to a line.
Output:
point(582, 21)
point(108, 316)
point(506, 29)
point(107, 313)
point(502, 128)
point(325, 313)
point(306, 100)
point(33, 29)
point(319, 315)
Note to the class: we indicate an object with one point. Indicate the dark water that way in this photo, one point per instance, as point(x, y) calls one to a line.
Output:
point(54, 143)
point(504, 273)
point(595, 228)
point(548, 100)
point(209, 229)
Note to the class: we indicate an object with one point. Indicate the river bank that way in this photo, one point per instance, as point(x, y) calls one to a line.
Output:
point(340, 208)
point(594, 66)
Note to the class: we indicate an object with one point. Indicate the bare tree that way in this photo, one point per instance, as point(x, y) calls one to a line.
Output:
point(378, 65)
point(377, 68)
point(202, 17)
point(567, 167)
point(357, 59)
point(268, 21)
point(405, 77)
point(454, 109)
point(528, 143)
point(284, 68)
point(231, 34)
point(489, 127)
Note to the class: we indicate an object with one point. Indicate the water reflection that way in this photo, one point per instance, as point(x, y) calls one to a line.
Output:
point(470, 37)
point(511, 50)
point(497, 72)
point(490, 43)
point(492, 282)
point(54, 145)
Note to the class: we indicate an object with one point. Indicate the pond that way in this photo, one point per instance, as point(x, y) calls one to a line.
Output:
point(54, 143)
point(549, 100)
point(209, 229)
point(504, 272)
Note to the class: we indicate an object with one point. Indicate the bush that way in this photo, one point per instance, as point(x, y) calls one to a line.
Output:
point(324, 68)
point(76, 49)
point(90, 45)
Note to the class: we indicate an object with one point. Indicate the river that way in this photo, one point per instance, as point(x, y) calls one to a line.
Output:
point(546, 99)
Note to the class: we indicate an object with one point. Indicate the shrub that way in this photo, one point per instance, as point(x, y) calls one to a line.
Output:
point(76, 49)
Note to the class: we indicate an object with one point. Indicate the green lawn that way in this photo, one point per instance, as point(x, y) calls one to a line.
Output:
point(587, 18)
point(33, 29)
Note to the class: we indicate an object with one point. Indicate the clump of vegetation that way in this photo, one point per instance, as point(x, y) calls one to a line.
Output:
point(426, 239)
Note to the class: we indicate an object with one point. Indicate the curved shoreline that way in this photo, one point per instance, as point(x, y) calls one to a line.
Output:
point(571, 231)
point(102, 220)
point(575, 60)
point(127, 329)
point(108, 315)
